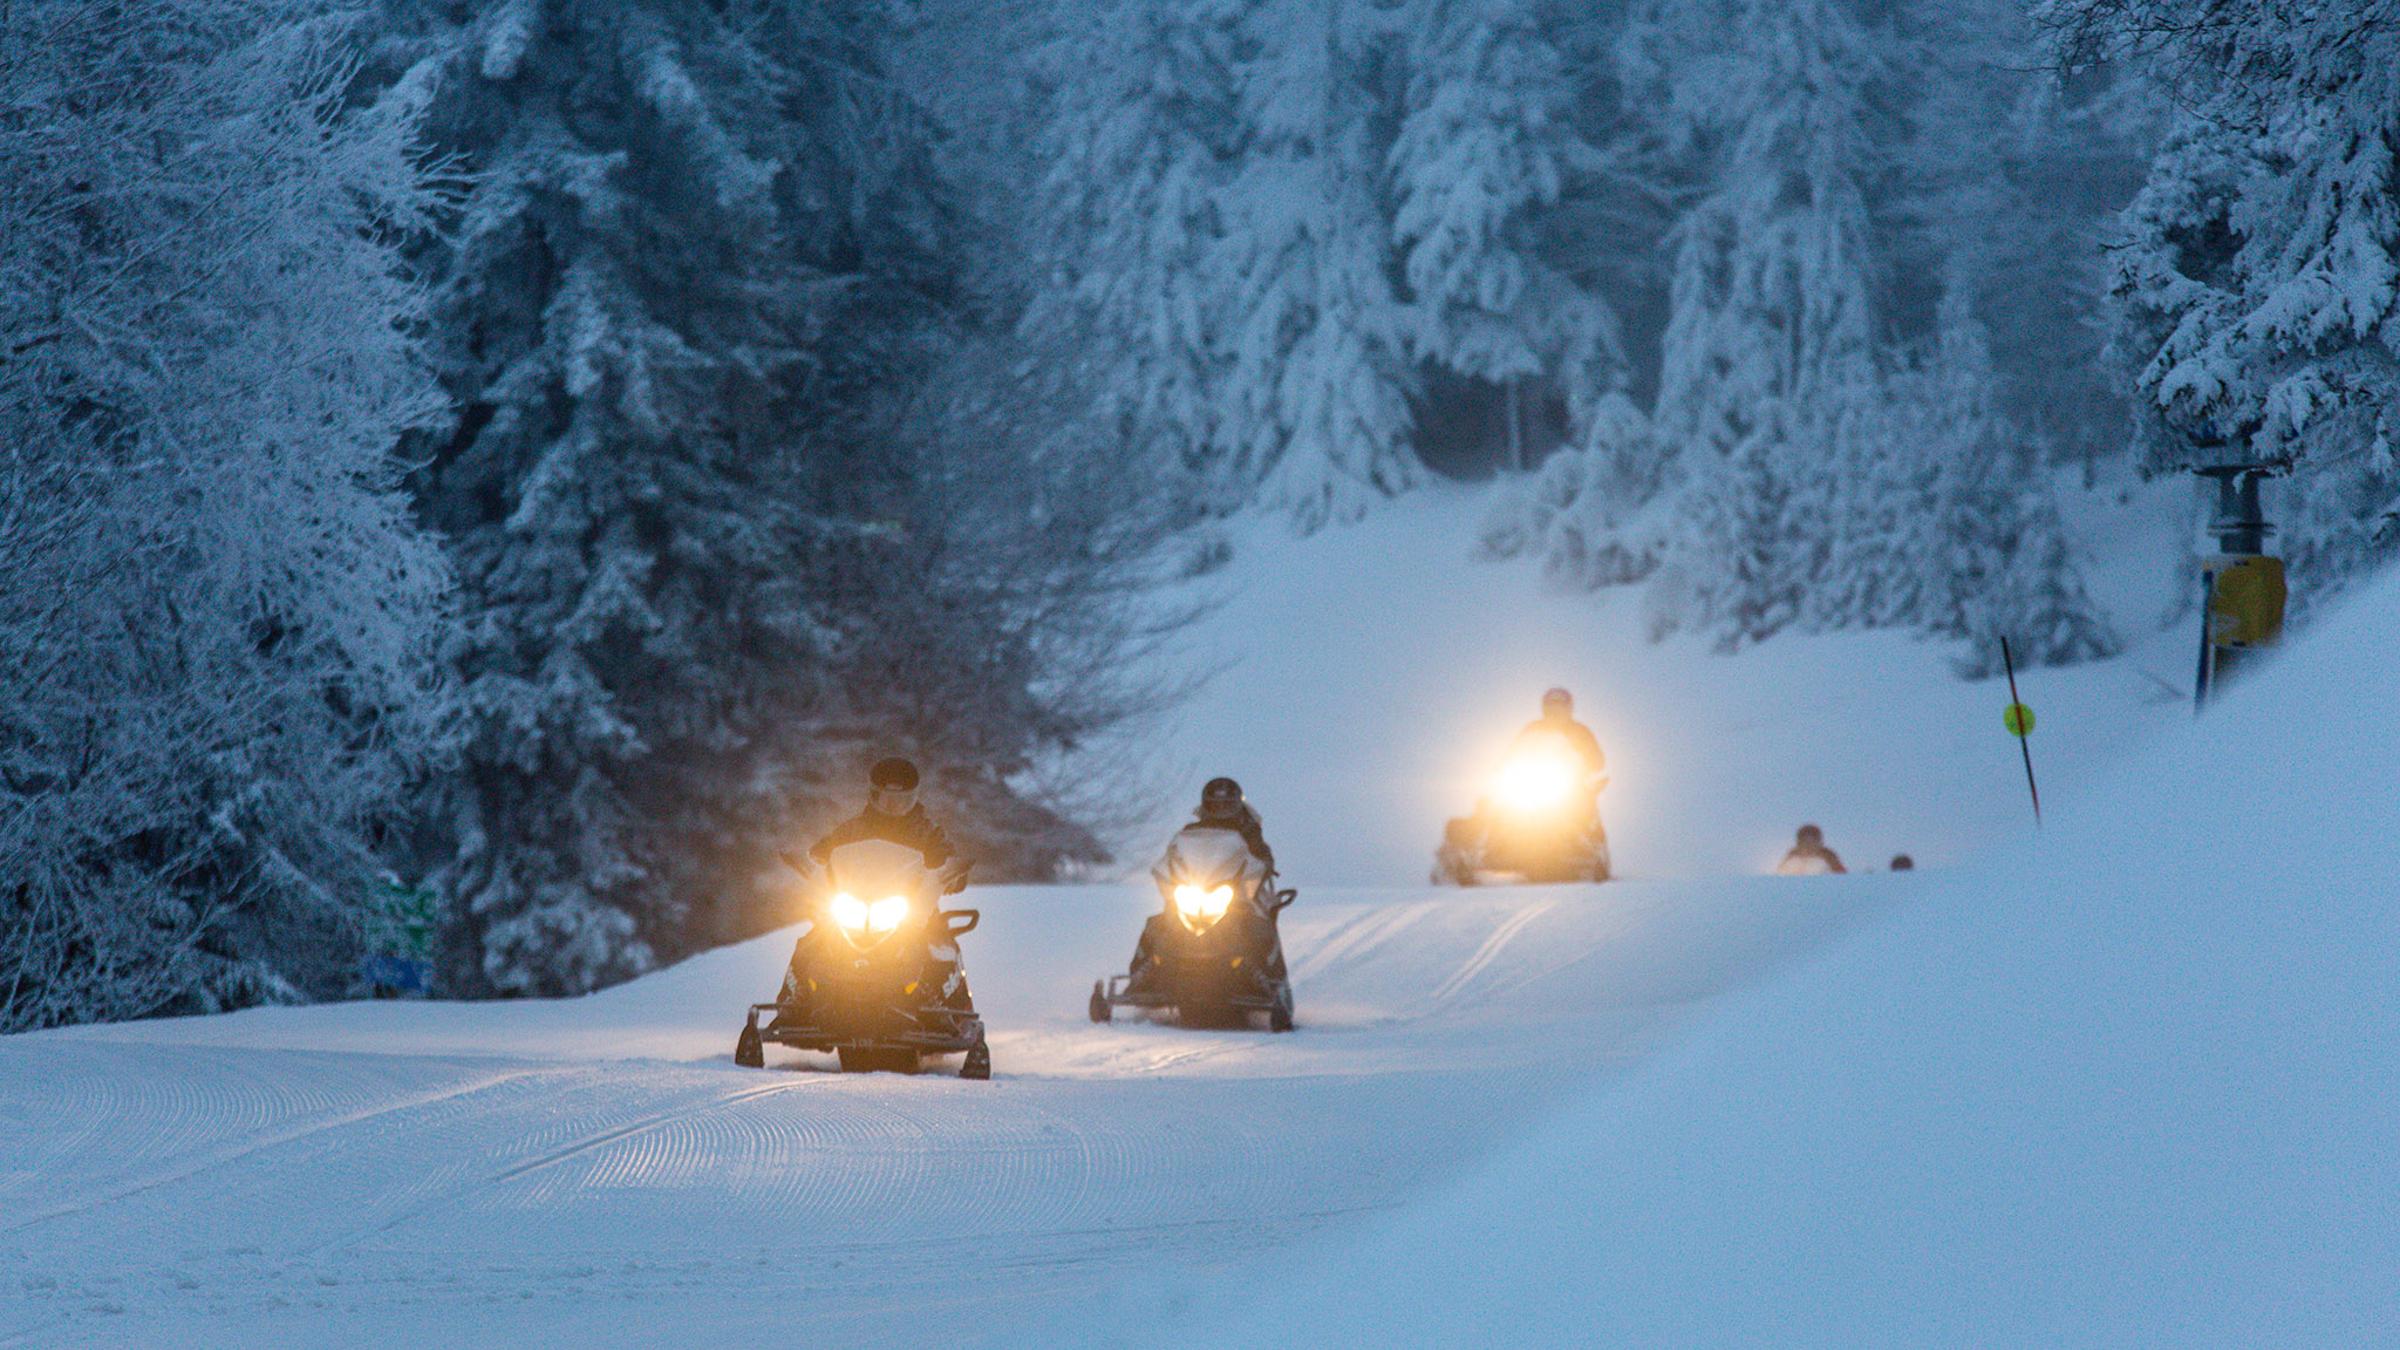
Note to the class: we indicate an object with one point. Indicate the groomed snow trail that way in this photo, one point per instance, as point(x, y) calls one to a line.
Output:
point(598, 1168)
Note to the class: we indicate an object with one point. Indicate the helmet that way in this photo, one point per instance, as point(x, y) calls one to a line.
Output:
point(1220, 798)
point(1811, 837)
point(896, 774)
point(1901, 862)
point(1558, 699)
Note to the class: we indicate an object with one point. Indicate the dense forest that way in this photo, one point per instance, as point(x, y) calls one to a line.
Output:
point(523, 457)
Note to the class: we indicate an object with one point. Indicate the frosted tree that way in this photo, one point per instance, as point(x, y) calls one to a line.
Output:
point(1977, 545)
point(1138, 133)
point(2256, 285)
point(1770, 339)
point(2011, 179)
point(1488, 146)
point(697, 243)
point(1592, 512)
point(1319, 373)
point(218, 624)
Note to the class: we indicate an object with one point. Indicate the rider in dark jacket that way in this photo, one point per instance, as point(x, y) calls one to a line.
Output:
point(1558, 722)
point(892, 813)
point(1222, 808)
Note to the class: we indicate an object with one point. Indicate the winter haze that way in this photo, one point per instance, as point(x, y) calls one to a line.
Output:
point(481, 482)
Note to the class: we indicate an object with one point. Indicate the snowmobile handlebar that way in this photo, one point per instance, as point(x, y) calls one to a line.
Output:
point(948, 919)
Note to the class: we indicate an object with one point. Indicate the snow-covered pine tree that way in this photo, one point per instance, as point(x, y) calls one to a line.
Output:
point(1138, 129)
point(2257, 286)
point(1486, 146)
point(1977, 528)
point(2009, 180)
point(1319, 374)
point(698, 240)
point(218, 625)
point(1771, 334)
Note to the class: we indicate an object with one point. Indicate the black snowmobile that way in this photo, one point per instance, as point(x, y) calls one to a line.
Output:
point(1540, 823)
point(1213, 954)
point(876, 978)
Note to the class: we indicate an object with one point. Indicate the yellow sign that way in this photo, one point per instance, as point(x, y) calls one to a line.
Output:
point(2245, 601)
point(2018, 719)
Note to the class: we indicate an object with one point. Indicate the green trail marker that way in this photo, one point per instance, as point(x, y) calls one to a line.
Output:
point(2019, 721)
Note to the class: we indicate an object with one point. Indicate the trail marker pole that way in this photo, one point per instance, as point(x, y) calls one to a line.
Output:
point(2019, 721)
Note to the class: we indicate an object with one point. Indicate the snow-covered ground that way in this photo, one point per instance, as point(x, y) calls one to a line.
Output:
point(1674, 1046)
point(1378, 672)
point(598, 1170)
point(2138, 1084)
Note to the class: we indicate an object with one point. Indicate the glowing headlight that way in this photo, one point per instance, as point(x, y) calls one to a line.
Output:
point(849, 911)
point(1534, 782)
point(885, 915)
point(1194, 903)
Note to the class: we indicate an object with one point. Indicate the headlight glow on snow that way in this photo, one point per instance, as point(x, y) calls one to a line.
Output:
point(1200, 907)
point(849, 911)
point(885, 915)
point(1535, 782)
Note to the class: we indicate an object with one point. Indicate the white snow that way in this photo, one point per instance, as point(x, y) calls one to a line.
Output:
point(596, 1170)
point(1378, 675)
point(2134, 1084)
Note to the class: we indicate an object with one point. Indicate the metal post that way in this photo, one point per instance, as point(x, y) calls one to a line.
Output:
point(2241, 529)
point(2024, 742)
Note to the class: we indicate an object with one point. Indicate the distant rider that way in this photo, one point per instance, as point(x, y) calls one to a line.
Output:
point(1809, 856)
point(893, 814)
point(1558, 723)
point(1222, 807)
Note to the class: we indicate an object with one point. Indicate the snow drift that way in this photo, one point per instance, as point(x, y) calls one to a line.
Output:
point(2134, 1082)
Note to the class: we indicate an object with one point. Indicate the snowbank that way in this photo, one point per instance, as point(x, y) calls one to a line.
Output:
point(2139, 1081)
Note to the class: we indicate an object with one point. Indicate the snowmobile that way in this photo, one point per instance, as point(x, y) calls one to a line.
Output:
point(876, 977)
point(1540, 823)
point(1213, 954)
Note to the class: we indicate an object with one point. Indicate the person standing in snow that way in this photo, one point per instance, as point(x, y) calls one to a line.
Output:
point(1809, 856)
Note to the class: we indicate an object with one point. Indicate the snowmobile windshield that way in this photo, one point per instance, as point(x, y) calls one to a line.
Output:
point(876, 888)
point(1209, 857)
point(1204, 872)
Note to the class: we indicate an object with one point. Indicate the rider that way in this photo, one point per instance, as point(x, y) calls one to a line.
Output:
point(1809, 856)
point(1557, 722)
point(892, 813)
point(1223, 808)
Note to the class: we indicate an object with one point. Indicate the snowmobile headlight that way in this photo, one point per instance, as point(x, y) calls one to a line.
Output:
point(886, 914)
point(1535, 782)
point(849, 911)
point(1198, 905)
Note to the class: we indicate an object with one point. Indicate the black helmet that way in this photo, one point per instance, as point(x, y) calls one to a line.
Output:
point(1555, 697)
point(1811, 836)
point(895, 773)
point(1901, 862)
point(1221, 797)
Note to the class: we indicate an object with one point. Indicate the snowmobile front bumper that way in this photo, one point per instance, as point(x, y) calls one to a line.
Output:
point(1170, 988)
point(929, 1029)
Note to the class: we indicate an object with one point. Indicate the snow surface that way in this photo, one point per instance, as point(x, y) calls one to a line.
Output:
point(596, 1170)
point(1374, 675)
point(2134, 1084)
